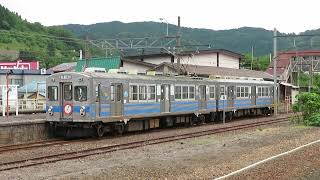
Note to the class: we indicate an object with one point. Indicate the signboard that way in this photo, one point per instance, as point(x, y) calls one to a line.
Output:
point(28, 65)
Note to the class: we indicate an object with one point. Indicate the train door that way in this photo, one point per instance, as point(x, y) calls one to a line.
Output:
point(165, 98)
point(202, 97)
point(230, 96)
point(253, 95)
point(66, 100)
point(116, 99)
point(98, 100)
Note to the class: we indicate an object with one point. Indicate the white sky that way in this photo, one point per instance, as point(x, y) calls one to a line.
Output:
point(286, 15)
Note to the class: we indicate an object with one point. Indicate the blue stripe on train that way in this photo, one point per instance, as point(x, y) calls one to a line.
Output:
point(141, 111)
point(142, 104)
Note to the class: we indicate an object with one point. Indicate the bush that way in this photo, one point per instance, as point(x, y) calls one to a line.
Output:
point(308, 104)
point(312, 120)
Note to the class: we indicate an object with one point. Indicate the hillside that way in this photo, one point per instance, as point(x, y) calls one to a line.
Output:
point(238, 40)
point(35, 41)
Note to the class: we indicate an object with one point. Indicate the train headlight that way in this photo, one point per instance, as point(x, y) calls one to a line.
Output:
point(82, 111)
point(50, 110)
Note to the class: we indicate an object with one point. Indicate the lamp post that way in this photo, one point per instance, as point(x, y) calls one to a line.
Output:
point(163, 19)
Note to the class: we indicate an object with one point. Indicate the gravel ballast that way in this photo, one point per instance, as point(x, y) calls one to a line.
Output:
point(204, 157)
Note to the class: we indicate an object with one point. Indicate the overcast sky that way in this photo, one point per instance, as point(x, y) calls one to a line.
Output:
point(286, 15)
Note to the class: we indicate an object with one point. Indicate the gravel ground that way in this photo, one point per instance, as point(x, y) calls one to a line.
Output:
point(301, 164)
point(197, 158)
point(69, 147)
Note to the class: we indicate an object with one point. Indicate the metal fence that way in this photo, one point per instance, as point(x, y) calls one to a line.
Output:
point(25, 106)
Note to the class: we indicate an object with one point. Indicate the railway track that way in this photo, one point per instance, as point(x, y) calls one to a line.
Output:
point(37, 144)
point(131, 145)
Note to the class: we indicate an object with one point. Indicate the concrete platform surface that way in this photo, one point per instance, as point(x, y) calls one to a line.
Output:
point(22, 119)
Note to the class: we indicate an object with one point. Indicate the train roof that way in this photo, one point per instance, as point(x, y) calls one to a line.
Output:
point(162, 77)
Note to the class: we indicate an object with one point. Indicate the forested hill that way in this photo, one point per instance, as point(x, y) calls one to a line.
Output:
point(239, 40)
point(35, 41)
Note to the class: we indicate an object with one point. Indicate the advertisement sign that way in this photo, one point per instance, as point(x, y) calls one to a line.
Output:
point(28, 65)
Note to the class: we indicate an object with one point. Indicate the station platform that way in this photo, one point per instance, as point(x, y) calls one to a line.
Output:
point(23, 128)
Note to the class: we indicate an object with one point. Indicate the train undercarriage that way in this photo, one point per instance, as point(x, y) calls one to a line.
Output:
point(100, 129)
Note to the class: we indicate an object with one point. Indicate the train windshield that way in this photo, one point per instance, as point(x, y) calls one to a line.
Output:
point(80, 93)
point(52, 93)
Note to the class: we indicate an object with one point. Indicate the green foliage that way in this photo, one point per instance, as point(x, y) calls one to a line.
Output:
point(258, 63)
point(35, 41)
point(309, 105)
point(312, 120)
point(239, 40)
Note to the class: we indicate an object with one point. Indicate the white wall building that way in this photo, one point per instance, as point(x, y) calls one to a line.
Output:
point(215, 58)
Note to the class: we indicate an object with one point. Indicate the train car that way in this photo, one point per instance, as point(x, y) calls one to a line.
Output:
point(104, 102)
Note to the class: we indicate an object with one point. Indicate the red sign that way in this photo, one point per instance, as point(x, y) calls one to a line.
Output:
point(30, 65)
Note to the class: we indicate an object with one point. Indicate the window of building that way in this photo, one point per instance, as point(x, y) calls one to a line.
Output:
point(80, 93)
point(18, 82)
point(211, 90)
point(52, 93)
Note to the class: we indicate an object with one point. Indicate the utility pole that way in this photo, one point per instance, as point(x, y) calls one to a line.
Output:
point(251, 56)
point(178, 46)
point(86, 54)
point(275, 72)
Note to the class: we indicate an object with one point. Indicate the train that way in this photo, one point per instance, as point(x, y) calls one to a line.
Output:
point(81, 103)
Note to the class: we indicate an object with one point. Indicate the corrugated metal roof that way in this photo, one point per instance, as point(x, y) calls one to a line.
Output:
point(63, 67)
point(107, 63)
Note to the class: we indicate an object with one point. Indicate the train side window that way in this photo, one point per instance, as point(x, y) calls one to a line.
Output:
point(212, 92)
point(259, 91)
point(191, 92)
point(246, 91)
point(112, 93)
point(238, 92)
point(133, 92)
point(142, 92)
point(67, 92)
point(177, 92)
point(151, 92)
point(80, 93)
point(98, 93)
point(52, 93)
point(184, 92)
point(222, 91)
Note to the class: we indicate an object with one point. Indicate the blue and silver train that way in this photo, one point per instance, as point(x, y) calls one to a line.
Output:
point(106, 102)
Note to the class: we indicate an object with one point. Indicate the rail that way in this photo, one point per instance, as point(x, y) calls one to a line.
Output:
point(29, 162)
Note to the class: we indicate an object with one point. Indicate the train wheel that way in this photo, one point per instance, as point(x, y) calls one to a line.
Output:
point(100, 130)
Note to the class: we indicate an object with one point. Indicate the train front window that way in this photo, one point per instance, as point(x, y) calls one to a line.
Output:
point(80, 93)
point(67, 92)
point(52, 93)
